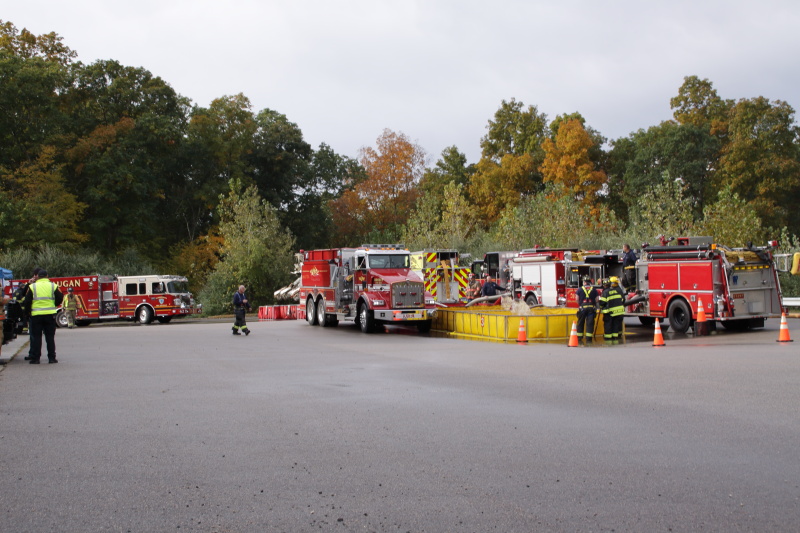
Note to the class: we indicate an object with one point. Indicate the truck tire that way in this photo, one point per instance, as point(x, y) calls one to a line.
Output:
point(680, 317)
point(164, 319)
point(311, 312)
point(325, 320)
point(365, 320)
point(647, 320)
point(61, 319)
point(531, 300)
point(144, 314)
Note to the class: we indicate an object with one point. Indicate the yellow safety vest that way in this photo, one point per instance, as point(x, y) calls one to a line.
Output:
point(44, 302)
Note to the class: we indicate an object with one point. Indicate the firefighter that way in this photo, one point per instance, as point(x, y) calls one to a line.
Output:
point(42, 301)
point(490, 288)
point(240, 308)
point(628, 268)
point(474, 287)
point(611, 303)
point(587, 308)
point(70, 307)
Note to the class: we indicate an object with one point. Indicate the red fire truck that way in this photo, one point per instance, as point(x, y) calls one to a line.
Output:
point(738, 287)
point(109, 297)
point(370, 284)
point(552, 276)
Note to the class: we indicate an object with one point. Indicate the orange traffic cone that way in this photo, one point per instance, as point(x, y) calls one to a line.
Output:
point(701, 311)
point(783, 336)
point(700, 325)
point(522, 336)
point(573, 336)
point(658, 338)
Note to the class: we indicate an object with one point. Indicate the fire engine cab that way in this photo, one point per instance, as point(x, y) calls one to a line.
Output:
point(369, 285)
point(738, 287)
point(109, 297)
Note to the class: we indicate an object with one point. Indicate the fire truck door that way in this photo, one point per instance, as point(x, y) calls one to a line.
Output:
point(549, 284)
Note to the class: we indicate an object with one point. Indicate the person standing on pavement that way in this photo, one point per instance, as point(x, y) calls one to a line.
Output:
point(70, 307)
point(612, 303)
point(240, 308)
point(19, 295)
point(587, 308)
point(42, 301)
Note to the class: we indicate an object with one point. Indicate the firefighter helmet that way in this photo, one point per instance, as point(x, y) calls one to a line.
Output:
point(613, 279)
point(69, 290)
point(586, 280)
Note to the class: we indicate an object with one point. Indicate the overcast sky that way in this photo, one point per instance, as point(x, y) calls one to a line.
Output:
point(437, 70)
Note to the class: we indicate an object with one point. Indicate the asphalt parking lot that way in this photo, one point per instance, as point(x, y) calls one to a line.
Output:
point(181, 426)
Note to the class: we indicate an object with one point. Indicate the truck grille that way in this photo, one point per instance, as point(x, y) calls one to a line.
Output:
point(408, 294)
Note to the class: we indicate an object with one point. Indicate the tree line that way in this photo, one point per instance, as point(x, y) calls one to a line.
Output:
point(107, 165)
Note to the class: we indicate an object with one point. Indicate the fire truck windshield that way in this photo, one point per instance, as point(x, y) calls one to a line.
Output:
point(389, 261)
point(176, 287)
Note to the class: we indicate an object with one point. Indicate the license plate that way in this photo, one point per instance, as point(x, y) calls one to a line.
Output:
point(409, 316)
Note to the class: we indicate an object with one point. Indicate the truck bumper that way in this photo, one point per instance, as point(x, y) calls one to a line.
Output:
point(404, 315)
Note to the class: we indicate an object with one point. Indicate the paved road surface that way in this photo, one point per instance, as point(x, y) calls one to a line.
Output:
point(183, 427)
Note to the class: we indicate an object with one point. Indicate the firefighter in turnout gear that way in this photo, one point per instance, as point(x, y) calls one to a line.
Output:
point(611, 303)
point(587, 308)
point(240, 307)
point(70, 307)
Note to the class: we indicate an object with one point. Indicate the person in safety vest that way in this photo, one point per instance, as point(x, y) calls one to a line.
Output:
point(42, 301)
point(587, 308)
point(240, 307)
point(628, 267)
point(70, 307)
point(611, 302)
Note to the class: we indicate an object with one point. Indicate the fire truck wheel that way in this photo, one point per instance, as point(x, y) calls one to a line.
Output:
point(144, 314)
point(164, 319)
point(680, 317)
point(61, 319)
point(322, 317)
point(365, 320)
point(311, 312)
point(531, 300)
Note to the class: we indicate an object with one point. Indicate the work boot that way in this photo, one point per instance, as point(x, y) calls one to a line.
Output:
point(236, 332)
point(246, 332)
point(33, 362)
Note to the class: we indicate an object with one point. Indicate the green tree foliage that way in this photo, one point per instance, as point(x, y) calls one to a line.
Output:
point(761, 160)
point(60, 261)
point(549, 219)
point(452, 167)
point(445, 223)
point(128, 125)
point(257, 252)
point(687, 152)
point(39, 210)
point(515, 130)
point(698, 104)
point(661, 210)
point(731, 221)
point(511, 155)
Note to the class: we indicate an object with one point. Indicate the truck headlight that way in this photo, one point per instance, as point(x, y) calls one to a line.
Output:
point(378, 303)
point(430, 301)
